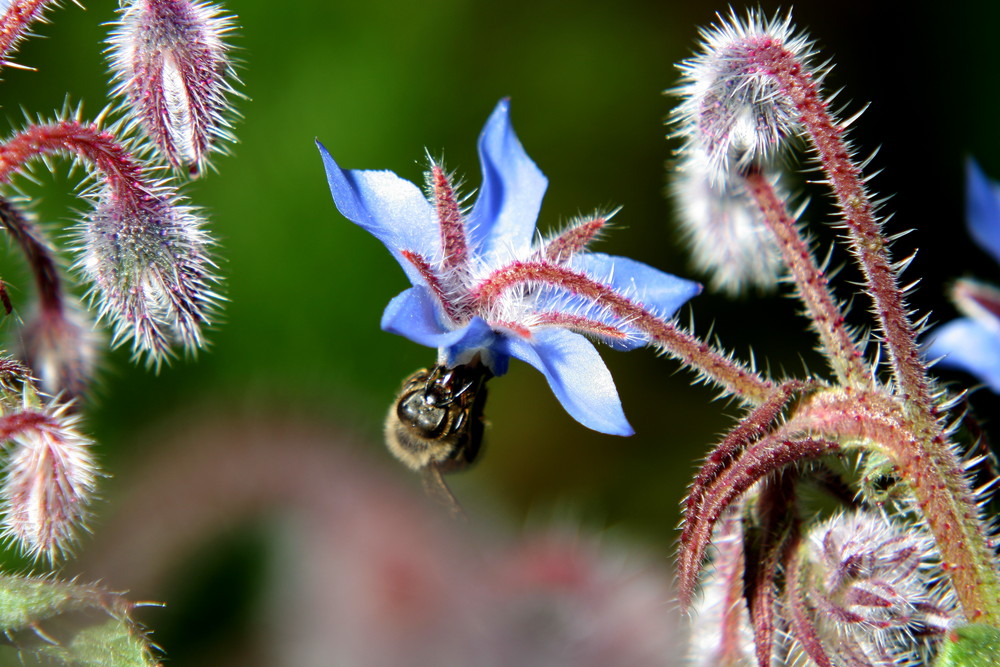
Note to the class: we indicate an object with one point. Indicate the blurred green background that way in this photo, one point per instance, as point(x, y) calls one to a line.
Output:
point(383, 81)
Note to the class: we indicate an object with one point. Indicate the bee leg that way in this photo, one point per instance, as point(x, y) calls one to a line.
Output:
point(436, 488)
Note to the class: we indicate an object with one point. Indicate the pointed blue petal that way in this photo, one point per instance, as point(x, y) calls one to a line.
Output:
point(968, 345)
point(510, 196)
point(983, 209)
point(390, 208)
point(660, 292)
point(413, 314)
point(578, 378)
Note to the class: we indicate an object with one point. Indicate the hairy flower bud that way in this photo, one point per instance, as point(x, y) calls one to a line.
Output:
point(48, 481)
point(874, 589)
point(172, 67)
point(146, 255)
point(728, 239)
point(732, 110)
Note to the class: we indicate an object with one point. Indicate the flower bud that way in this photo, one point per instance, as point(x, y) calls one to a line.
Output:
point(146, 255)
point(48, 481)
point(732, 110)
point(172, 68)
point(874, 589)
point(60, 345)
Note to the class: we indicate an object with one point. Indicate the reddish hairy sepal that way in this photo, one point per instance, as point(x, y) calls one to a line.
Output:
point(23, 421)
point(581, 324)
point(433, 281)
point(573, 239)
point(172, 68)
point(770, 540)
point(714, 365)
point(755, 424)
point(768, 455)
point(451, 224)
point(800, 622)
point(48, 480)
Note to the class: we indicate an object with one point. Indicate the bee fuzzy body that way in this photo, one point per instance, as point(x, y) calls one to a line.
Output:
point(437, 419)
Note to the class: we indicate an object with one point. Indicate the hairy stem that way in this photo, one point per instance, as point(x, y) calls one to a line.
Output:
point(716, 366)
point(88, 142)
point(39, 256)
point(867, 241)
point(827, 318)
point(14, 24)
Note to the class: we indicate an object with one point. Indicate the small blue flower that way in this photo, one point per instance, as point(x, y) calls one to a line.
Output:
point(486, 287)
point(972, 343)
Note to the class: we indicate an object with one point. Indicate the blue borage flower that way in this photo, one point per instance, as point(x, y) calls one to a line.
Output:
point(972, 343)
point(486, 287)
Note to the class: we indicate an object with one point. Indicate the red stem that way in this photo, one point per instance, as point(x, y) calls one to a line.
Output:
point(826, 316)
point(88, 142)
point(39, 255)
point(14, 24)
point(868, 243)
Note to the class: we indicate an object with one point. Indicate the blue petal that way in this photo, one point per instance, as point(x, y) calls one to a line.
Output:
point(510, 196)
point(480, 339)
point(970, 346)
point(392, 209)
point(414, 314)
point(983, 202)
point(660, 292)
point(578, 377)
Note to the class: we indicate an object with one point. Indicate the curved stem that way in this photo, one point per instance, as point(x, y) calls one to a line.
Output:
point(98, 148)
point(39, 255)
point(867, 241)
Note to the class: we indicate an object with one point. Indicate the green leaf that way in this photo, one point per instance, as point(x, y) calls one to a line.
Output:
point(112, 644)
point(973, 645)
point(56, 622)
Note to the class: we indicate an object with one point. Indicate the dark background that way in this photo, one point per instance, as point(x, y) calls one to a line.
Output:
point(382, 81)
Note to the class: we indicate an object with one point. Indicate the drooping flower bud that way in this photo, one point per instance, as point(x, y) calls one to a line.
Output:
point(147, 257)
point(48, 481)
point(173, 70)
point(733, 110)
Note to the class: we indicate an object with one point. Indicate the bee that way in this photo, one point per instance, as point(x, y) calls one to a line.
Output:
point(436, 425)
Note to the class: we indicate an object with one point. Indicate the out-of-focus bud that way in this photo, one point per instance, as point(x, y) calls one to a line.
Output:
point(173, 70)
point(48, 481)
point(720, 623)
point(728, 239)
point(60, 345)
point(147, 257)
